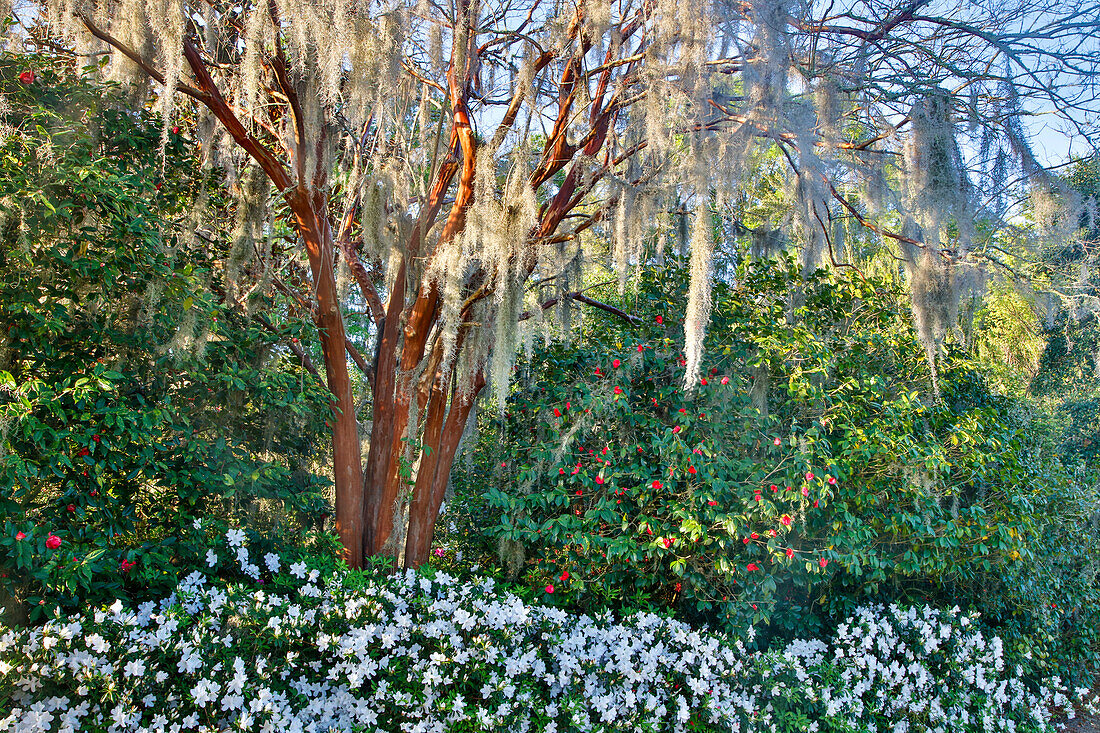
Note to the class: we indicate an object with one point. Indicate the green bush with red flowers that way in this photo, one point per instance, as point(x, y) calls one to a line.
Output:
point(808, 470)
point(115, 433)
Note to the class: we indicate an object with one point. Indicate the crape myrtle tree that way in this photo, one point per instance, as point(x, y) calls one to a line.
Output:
point(463, 160)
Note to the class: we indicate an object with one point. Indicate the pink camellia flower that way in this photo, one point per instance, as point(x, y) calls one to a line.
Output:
point(53, 541)
point(823, 562)
point(19, 535)
point(725, 380)
point(832, 480)
point(809, 475)
point(27, 77)
point(786, 520)
point(752, 567)
point(777, 441)
point(616, 363)
point(549, 589)
point(439, 552)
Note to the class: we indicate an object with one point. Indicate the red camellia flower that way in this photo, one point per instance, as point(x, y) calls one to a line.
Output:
point(27, 77)
point(823, 562)
point(599, 480)
point(676, 429)
point(712, 502)
point(564, 575)
point(125, 565)
point(790, 553)
point(561, 471)
point(660, 319)
point(777, 441)
point(832, 480)
point(53, 541)
point(678, 586)
point(773, 487)
point(549, 589)
point(618, 390)
point(71, 508)
point(725, 380)
point(755, 536)
point(654, 401)
point(746, 540)
point(668, 543)
point(175, 131)
point(815, 503)
point(640, 348)
point(83, 452)
point(616, 363)
point(557, 412)
point(703, 381)
point(757, 497)
point(95, 438)
point(658, 485)
point(752, 566)
point(809, 475)
point(786, 520)
point(598, 372)
point(691, 470)
point(19, 535)
point(568, 406)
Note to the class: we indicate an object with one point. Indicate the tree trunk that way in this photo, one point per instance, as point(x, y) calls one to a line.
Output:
point(313, 225)
point(435, 468)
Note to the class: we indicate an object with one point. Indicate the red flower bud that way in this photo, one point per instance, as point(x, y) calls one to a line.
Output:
point(660, 320)
point(27, 77)
point(19, 535)
point(616, 363)
point(71, 508)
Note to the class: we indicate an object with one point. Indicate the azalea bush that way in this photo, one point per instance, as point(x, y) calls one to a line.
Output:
point(317, 649)
point(811, 469)
point(132, 398)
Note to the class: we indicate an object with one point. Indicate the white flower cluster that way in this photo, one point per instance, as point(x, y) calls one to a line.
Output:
point(415, 654)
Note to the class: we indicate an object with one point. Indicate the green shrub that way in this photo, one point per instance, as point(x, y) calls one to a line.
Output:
point(810, 472)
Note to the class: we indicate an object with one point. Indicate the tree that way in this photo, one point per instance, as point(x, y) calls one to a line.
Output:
point(459, 159)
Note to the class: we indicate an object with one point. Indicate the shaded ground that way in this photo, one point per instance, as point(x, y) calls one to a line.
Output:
point(1084, 722)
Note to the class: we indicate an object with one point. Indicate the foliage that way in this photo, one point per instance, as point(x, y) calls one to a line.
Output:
point(810, 470)
point(131, 401)
point(312, 649)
